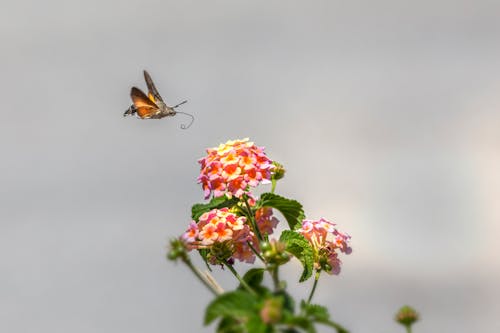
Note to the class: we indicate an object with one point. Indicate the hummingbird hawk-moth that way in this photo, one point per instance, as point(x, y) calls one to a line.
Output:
point(152, 106)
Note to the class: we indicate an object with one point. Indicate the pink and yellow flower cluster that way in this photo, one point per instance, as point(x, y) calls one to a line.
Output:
point(233, 167)
point(217, 226)
point(327, 242)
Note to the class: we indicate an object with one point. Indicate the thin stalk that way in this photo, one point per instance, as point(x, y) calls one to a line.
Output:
point(213, 282)
point(243, 283)
point(200, 276)
point(273, 185)
point(333, 324)
point(254, 250)
point(408, 328)
point(316, 278)
point(252, 220)
point(276, 281)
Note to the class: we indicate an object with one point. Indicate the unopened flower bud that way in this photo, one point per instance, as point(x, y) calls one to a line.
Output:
point(406, 316)
point(177, 250)
point(279, 171)
point(275, 252)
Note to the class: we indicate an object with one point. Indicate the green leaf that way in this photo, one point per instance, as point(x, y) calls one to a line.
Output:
point(230, 325)
point(315, 312)
point(254, 276)
point(254, 279)
point(288, 301)
point(291, 209)
point(256, 325)
point(240, 313)
point(300, 247)
point(289, 330)
point(300, 322)
point(339, 328)
point(319, 314)
point(237, 304)
point(198, 209)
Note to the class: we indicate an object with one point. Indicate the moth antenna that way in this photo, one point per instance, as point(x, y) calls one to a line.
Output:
point(183, 102)
point(184, 126)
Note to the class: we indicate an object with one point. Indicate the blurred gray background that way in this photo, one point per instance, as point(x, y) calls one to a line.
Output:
point(385, 114)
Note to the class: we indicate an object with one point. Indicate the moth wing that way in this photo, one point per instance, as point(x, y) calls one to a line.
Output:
point(152, 92)
point(145, 107)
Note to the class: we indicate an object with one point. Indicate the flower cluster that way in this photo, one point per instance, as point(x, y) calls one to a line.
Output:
point(221, 226)
point(233, 167)
point(326, 241)
point(235, 226)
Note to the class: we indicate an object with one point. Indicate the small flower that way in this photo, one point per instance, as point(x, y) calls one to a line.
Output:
point(234, 167)
point(192, 233)
point(266, 222)
point(342, 240)
point(326, 242)
point(243, 252)
point(224, 233)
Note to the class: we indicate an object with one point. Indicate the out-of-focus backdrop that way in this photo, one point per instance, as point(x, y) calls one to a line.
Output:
point(385, 114)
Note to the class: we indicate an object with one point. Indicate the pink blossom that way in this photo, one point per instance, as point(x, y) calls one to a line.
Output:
point(265, 220)
point(326, 242)
point(234, 167)
point(221, 225)
point(192, 233)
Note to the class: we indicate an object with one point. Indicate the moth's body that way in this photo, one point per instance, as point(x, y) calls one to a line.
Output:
point(150, 106)
point(162, 111)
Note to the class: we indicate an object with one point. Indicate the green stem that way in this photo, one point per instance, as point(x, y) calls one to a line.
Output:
point(252, 220)
point(200, 276)
point(276, 281)
point(316, 278)
point(254, 250)
point(243, 283)
point(333, 324)
point(408, 328)
point(273, 185)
